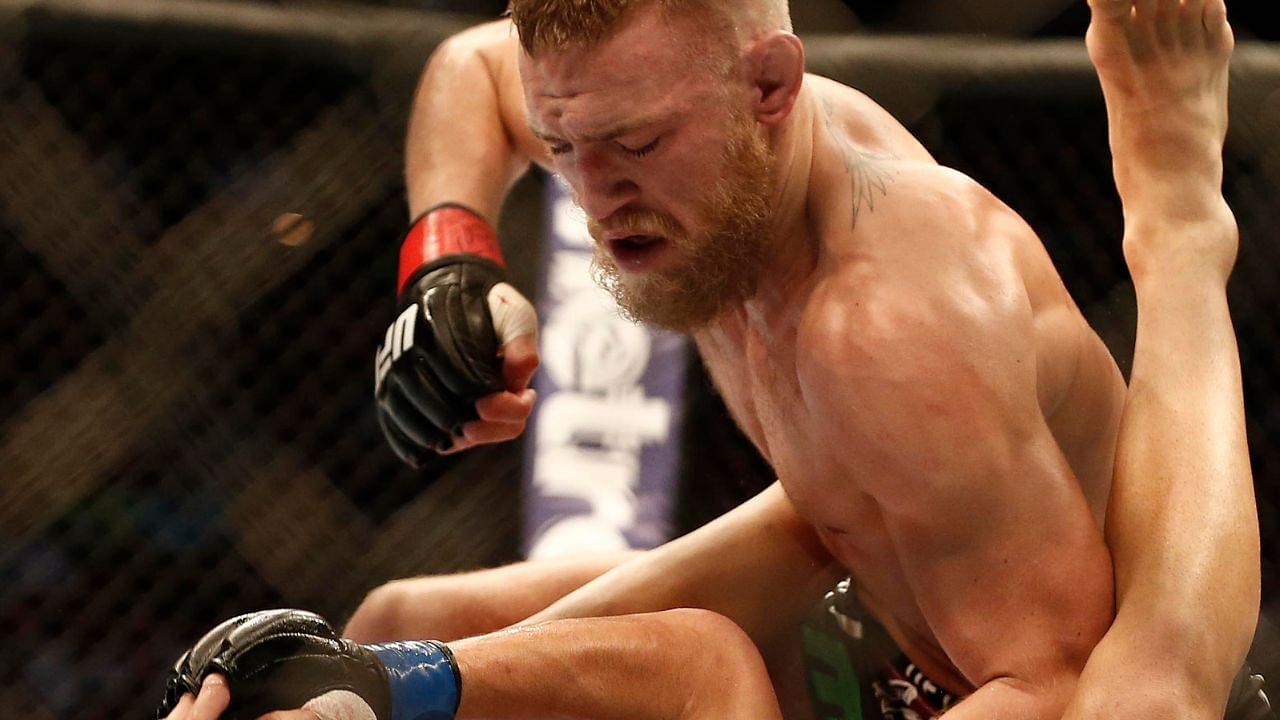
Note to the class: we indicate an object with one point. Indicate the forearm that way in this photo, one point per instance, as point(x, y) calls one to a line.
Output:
point(465, 143)
point(761, 565)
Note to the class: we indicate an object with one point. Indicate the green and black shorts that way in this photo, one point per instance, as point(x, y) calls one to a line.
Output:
point(856, 672)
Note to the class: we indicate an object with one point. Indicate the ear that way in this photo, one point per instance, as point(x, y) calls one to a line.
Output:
point(775, 63)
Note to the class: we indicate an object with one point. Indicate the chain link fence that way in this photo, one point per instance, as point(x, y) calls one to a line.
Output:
point(199, 205)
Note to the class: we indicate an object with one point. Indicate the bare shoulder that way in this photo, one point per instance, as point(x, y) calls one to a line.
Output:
point(873, 322)
point(931, 230)
point(863, 123)
point(919, 217)
point(920, 312)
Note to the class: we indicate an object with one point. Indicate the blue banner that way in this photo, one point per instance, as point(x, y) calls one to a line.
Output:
point(603, 458)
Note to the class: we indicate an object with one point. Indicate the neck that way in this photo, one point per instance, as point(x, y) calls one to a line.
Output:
point(794, 244)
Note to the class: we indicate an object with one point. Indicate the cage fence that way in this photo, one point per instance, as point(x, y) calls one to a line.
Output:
point(198, 212)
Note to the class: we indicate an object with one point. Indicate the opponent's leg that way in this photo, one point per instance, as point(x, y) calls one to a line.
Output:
point(450, 607)
point(1163, 67)
point(671, 665)
point(1182, 523)
point(685, 664)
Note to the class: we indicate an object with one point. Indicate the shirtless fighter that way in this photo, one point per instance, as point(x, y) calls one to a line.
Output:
point(893, 339)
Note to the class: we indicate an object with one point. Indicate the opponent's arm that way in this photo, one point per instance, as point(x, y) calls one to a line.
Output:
point(453, 369)
point(926, 382)
point(468, 138)
point(760, 565)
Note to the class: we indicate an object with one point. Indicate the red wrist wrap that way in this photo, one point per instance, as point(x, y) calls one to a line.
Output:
point(446, 231)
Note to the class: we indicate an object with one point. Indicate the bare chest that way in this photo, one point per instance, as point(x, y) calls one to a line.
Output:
point(760, 386)
point(761, 389)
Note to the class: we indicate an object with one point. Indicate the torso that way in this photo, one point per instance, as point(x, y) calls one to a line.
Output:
point(1079, 389)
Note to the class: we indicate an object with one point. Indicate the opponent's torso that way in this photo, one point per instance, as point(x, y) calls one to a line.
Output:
point(1080, 393)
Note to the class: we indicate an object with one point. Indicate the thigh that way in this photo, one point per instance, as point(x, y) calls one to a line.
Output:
point(450, 607)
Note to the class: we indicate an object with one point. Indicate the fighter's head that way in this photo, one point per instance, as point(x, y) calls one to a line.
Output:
point(662, 117)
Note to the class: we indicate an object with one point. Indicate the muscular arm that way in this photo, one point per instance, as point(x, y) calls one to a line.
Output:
point(760, 565)
point(468, 139)
point(467, 144)
point(926, 384)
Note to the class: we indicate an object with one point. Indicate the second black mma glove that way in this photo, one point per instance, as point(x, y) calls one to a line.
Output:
point(441, 354)
point(284, 659)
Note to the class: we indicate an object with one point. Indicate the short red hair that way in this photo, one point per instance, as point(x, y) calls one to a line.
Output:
point(557, 24)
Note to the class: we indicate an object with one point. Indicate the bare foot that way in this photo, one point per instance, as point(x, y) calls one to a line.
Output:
point(1163, 66)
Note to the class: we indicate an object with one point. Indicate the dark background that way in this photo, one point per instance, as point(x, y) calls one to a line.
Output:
point(198, 216)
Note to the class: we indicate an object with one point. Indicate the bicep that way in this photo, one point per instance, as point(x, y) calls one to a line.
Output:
point(1006, 562)
point(941, 422)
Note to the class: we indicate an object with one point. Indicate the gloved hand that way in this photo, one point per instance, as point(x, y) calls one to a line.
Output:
point(280, 659)
point(463, 334)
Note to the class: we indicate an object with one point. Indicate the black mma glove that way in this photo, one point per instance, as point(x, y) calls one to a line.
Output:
point(281, 659)
point(441, 354)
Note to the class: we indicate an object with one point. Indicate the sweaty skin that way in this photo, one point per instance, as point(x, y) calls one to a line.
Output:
point(1182, 522)
point(935, 406)
point(942, 421)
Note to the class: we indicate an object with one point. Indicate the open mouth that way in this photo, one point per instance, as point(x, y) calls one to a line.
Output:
point(637, 253)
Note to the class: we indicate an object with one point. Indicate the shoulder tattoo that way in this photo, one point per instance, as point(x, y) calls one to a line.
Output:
point(869, 174)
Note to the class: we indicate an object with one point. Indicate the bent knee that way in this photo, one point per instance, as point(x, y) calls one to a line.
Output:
point(705, 624)
point(450, 607)
point(731, 680)
point(427, 608)
point(377, 618)
point(718, 642)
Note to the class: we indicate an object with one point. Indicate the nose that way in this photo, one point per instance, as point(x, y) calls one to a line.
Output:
point(602, 185)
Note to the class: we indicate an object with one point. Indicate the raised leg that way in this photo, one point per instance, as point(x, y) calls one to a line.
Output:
point(1163, 66)
point(1182, 521)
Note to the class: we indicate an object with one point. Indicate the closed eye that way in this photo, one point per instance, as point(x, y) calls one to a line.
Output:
point(641, 152)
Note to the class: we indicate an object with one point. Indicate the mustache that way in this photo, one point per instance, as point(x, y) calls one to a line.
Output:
point(635, 222)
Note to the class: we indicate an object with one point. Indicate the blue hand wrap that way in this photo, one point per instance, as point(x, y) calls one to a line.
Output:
point(424, 680)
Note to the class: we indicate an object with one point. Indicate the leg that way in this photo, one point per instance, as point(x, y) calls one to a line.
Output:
point(671, 665)
point(1182, 523)
point(1163, 67)
point(449, 607)
point(687, 664)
